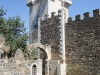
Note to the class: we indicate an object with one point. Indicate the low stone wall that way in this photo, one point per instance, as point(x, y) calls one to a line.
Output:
point(16, 67)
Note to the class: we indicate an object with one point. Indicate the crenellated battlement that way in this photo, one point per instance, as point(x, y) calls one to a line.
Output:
point(53, 14)
point(86, 15)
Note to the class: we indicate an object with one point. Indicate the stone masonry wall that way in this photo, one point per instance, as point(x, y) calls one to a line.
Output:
point(83, 41)
point(50, 34)
point(16, 67)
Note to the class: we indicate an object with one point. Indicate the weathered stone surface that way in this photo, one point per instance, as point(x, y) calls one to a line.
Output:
point(83, 42)
point(19, 55)
point(17, 67)
point(3, 47)
point(50, 34)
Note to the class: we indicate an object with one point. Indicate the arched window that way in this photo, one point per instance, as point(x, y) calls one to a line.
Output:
point(34, 70)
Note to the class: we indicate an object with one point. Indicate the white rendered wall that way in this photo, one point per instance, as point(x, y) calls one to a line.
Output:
point(63, 69)
point(36, 10)
point(54, 6)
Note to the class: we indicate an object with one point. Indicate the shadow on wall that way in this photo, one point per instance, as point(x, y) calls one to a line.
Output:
point(39, 13)
point(55, 73)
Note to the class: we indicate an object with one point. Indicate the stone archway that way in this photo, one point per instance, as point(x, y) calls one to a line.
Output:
point(46, 49)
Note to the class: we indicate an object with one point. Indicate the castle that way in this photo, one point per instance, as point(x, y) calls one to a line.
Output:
point(58, 41)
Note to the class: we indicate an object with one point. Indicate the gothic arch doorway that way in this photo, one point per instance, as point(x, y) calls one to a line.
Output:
point(34, 70)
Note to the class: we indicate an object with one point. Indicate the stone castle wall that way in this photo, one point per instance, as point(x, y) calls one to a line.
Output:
point(83, 40)
point(17, 67)
point(14, 67)
point(50, 34)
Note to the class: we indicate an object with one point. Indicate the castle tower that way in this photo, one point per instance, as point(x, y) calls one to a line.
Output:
point(40, 8)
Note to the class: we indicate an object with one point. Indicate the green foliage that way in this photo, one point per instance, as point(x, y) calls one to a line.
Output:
point(2, 20)
point(2, 12)
point(14, 33)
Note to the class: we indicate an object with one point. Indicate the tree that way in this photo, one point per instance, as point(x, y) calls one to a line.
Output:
point(14, 33)
point(2, 20)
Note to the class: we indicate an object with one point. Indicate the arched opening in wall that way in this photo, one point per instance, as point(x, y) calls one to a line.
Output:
point(34, 70)
point(43, 57)
point(42, 52)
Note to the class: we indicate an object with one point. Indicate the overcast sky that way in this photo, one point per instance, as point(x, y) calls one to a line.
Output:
point(19, 8)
